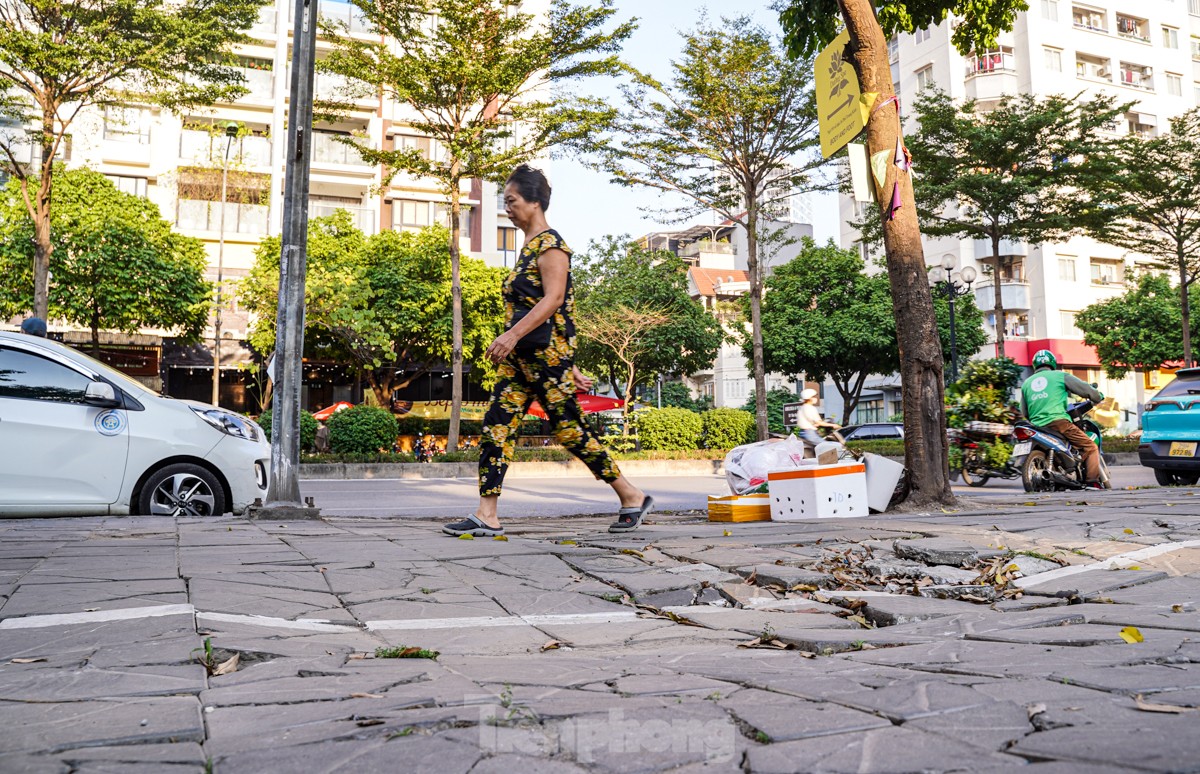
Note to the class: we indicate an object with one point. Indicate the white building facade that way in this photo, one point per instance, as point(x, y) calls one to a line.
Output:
point(1147, 53)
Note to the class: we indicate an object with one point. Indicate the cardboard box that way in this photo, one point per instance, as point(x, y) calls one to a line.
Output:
point(819, 492)
point(754, 507)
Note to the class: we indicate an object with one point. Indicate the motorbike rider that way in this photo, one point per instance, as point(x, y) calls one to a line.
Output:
point(809, 418)
point(1044, 399)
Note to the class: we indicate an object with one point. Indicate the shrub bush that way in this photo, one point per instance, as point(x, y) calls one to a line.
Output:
point(362, 430)
point(669, 428)
point(308, 428)
point(725, 428)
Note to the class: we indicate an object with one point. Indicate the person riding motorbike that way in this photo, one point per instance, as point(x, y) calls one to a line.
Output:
point(1044, 400)
point(809, 418)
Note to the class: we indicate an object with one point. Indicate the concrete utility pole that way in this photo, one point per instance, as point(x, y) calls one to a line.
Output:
point(231, 131)
point(283, 488)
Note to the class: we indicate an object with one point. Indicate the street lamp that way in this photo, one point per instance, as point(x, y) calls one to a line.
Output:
point(943, 279)
point(231, 131)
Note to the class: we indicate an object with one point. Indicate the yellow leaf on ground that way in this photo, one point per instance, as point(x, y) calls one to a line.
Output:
point(466, 536)
point(228, 666)
point(726, 533)
point(1134, 567)
point(1128, 531)
point(552, 645)
point(501, 538)
point(1176, 608)
point(1131, 635)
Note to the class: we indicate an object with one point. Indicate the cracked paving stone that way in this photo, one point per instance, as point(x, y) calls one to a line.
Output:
point(90, 682)
point(1006, 722)
point(1084, 635)
point(416, 753)
point(987, 593)
point(995, 659)
point(784, 718)
point(1144, 742)
point(896, 568)
point(745, 595)
point(1134, 679)
point(917, 699)
point(65, 725)
point(781, 575)
point(896, 610)
point(1183, 590)
point(754, 622)
point(673, 685)
point(878, 750)
point(507, 763)
point(1091, 583)
point(293, 690)
point(43, 599)
point(1031, 565)
point(942, 550)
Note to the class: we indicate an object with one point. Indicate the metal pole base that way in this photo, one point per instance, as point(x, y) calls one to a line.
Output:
point(283, 511)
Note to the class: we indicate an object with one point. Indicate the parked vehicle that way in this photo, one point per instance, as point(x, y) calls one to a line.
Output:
point(1171, 430)
point(873, 431)
point(1048, 462)
point(82, 438)
point(973, 440)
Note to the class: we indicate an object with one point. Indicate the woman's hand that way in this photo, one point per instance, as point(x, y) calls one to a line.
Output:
point(582, 382)
point(502, 347)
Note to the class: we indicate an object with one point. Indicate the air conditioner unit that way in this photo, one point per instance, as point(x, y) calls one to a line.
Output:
point(1102, 72)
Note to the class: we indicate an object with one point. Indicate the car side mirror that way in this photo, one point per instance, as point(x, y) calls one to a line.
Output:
point(101, 394)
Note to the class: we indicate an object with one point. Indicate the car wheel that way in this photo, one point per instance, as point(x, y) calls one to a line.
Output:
point(1033, 473)
point(182, 489)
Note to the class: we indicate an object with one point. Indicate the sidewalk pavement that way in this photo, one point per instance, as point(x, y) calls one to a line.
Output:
point(898, 643)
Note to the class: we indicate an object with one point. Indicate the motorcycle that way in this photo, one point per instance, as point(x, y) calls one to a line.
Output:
point(976, 469)
point(1048, 462)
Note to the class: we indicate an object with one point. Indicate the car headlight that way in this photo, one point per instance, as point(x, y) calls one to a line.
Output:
point(228, 422)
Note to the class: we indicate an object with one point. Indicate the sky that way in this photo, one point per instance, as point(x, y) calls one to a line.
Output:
point(586, 205)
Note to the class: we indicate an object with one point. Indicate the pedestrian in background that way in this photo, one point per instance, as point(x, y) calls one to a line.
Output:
point(34, 326)
point(536, 355)
point(810, 418)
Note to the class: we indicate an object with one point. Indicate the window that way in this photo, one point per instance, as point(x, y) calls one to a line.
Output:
point(893, 48)
point(506, 244)
point(1170, 37)
point(201, 215)
point(869, 411)
point(1174, 85)
point(1133, 28)
point(1066, 269)
point(1194, 7)
point(1067, 321)
point(407, 214)
point(1053, 57)
point(30, 377)
point(1137, 76)
point(1196, 92)
point(1050, 9)
point(423, 145)
point(130, 185)
point(1195, 48)
point(1089, 19)
point(922, 35)
point(127, 125)
point(1016, 324)
point(924, 78)
point(1106, 272)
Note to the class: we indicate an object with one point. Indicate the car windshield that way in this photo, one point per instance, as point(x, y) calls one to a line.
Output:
point(1182, 385)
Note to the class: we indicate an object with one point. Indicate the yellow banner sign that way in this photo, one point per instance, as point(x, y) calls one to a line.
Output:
point(841, 107)
point(437, 409)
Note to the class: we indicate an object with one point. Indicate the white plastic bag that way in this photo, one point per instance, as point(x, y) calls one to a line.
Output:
point(747, 466)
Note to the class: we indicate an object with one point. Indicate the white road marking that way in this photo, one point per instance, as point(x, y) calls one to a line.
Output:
point(278, 623)
point(414, 624)
point(1111, 563)
point(95, 616)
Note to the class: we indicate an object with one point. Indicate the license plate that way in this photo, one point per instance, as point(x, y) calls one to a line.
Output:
point(1180, 449)
point(1022, 448)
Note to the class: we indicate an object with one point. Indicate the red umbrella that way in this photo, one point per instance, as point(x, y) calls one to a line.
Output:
point(329, 411)
point(590, 404)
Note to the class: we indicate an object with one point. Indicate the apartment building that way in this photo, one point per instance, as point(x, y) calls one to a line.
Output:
point(174, 159)
point(1146, 52)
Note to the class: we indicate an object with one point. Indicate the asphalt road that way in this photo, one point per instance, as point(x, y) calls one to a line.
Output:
point(438, 498)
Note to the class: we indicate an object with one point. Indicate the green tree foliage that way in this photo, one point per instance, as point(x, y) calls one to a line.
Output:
point(308, 428)
point(58, 59)
point(383, 302)
point(735, 131)
point(677, 394)
point(1137, 331)
point(117, 265)
point(669, 429)
point(616, 274)
point(1156, 185)
point(725, 428)
point(984, 392)
point(362, 430)
point(486, 81)
point(825, 317)
point(776, 398)
point(1011, 172)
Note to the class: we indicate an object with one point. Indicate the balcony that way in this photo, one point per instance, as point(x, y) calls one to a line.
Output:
point(694, 249)
point(1092, 68)
point(201, 148)
point(265, 25)
point(365, 219)
point(1133, 28)
point(1015, 295)
point(1090, 20)
point(327, 150)
point(1136, 76)
point(260, 83)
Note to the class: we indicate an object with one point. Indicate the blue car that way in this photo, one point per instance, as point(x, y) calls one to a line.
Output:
point(1171, 431)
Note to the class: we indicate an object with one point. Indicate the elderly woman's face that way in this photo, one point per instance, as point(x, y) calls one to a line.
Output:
point(519, 210)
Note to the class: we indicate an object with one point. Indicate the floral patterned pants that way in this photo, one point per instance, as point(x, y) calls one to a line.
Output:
point(523, 377)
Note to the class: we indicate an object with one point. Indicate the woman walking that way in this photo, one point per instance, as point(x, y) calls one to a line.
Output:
point(536, 356)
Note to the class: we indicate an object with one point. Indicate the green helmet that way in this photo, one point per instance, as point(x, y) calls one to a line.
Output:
point(1044, 358)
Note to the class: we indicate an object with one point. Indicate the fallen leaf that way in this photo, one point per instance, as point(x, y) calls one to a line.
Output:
point(501, 538)
point(1146, 706)
point(229, 666)
point(366, 696)
point(858, 619)
point(465, 536)
point(27, 660)
point(806, 654)
point(1134, 567)
point(1128, 531)
point(803, 587)
point(1029, 503)
point(1131, 635)
point(726, 533)
point(632, 552)
point(552, 645)
point(1176, 608)
point(356, 656)
point(567, 543)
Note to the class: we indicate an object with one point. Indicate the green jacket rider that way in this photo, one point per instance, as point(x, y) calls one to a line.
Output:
point(1044, 399)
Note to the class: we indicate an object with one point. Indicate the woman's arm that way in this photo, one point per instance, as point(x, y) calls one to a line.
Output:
point(553, 266)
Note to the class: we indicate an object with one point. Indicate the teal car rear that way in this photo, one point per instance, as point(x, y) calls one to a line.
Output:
point(1171, 430)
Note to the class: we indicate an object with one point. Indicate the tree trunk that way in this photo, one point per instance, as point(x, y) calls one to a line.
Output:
point(42, 246)
point(997, 290)
point(761, 420)
point(1185, 309)
point(456, 347)
point(629, 392)
point(912, 304)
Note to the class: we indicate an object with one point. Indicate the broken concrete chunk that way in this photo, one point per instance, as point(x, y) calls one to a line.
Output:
point(937, 551)
point(965, 593)
point(745, 595)
point(779, 575)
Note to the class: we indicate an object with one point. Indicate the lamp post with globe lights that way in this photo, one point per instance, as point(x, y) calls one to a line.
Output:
point(951, 284)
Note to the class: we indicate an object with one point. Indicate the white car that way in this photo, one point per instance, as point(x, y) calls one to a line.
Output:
point(81, 438)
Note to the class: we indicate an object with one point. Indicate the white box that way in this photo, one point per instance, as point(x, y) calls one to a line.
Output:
point(819, 492)
point(883, 475)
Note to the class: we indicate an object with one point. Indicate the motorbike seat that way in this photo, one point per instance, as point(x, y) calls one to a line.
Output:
point(1055, 434)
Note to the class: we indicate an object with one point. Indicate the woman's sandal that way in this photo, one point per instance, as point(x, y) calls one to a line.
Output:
point(472, 525)
point(629, 519)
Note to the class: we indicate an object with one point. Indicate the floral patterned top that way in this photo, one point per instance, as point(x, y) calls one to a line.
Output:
point(523, 289)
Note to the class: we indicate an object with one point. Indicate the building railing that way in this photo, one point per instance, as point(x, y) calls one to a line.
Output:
point(990, 63)
point(693, 249)
point(327, 149)
point(365, 219)
point(261, 83)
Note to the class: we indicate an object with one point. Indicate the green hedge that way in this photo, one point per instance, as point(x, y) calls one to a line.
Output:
point(414, 425)
point(551, 454)
point(725, 428)
point(362, 430)
point(308, 428)
point(669, 429)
